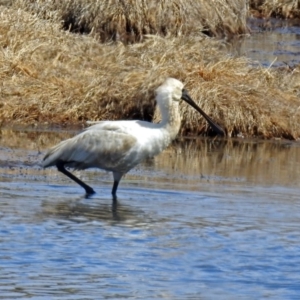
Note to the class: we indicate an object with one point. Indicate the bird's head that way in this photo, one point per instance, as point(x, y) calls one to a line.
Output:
point(173, 89)
point(170, 89)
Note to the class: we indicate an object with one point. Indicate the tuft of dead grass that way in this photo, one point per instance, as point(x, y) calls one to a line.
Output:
point(49, 76)
point(129, 21)
point(286, 9)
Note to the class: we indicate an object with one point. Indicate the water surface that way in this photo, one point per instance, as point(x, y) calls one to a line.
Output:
point(273, 45)
point(207, 219)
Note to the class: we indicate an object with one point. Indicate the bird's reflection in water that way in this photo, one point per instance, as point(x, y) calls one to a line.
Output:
point(82, 210)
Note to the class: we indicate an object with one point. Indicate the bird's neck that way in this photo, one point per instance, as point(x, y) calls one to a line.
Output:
point(171, 118)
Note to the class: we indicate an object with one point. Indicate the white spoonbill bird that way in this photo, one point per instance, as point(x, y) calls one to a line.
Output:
point(118, 146)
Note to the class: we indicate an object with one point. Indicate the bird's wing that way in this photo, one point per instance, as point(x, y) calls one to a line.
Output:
point(92, 148)
point(118, 126)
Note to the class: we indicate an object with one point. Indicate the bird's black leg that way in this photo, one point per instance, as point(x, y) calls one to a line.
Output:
point(61, 167)
point(114, 189)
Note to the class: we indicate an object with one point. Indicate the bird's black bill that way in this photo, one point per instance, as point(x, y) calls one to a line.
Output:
point(186, 97)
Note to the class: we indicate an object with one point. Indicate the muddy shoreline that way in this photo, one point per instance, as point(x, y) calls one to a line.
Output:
point(216, 160)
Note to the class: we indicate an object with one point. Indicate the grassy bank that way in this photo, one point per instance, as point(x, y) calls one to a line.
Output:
point(286, 9)
point(50, 76)
point(129, 21)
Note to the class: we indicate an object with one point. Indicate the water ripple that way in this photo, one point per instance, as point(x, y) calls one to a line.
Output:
point(214, 240)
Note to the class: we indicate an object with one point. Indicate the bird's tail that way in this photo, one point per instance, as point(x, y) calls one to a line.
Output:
point(54, 154)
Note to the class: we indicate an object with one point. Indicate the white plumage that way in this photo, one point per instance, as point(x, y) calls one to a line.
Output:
point(118, 146)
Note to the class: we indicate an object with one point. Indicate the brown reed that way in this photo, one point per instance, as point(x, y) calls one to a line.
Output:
point(287, 9)
point(49, 76)
point(129, 21)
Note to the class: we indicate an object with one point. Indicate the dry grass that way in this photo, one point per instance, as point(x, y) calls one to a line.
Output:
point(129, 21)
point(287, 9)
point(49, 76)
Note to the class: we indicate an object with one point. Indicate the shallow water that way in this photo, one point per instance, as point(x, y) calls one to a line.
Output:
point(207, 219)
point(278, 46)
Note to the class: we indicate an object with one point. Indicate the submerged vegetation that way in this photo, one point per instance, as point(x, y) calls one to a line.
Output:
point(52, 76)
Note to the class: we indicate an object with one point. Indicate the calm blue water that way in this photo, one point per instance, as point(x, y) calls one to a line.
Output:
point(188, 237)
